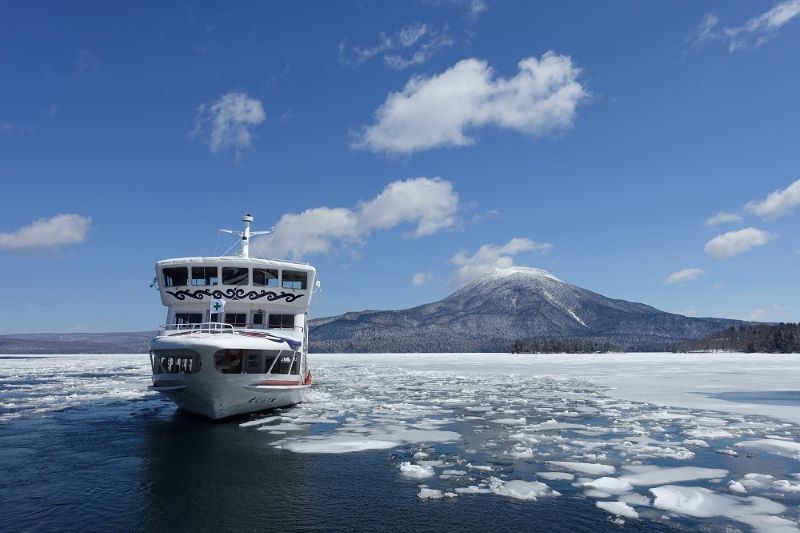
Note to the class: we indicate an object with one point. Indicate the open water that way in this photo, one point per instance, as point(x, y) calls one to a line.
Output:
point(85, 447)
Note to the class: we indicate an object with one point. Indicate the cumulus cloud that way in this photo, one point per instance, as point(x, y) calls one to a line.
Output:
point(413, 44)
point(540, 100)
point(778, 203)
point(723, 218)
point(46, 233)
point(429, 203)
point(753, 33)
point(682, 276)
point(421, 278)
point(736, 242)
point(227, 122)
point(490, 256)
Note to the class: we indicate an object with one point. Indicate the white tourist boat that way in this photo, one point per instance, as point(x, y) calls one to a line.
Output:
point(235, 339)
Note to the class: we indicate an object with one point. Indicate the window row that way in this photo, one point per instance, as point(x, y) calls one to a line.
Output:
point(261, 277)
point(257, 362)
point(258, 319)
point(175, 362)
point(227, 362)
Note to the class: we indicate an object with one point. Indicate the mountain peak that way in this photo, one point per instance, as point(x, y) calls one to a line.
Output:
point(500, 272)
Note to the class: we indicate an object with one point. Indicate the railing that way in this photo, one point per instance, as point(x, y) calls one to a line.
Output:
point(215, 327)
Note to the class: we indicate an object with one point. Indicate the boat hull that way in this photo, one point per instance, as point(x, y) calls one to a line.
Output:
point(217, 395)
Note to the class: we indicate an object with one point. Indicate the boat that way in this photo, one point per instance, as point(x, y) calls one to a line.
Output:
point(235, 339)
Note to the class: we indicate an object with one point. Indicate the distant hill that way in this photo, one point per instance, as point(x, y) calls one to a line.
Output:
point(761, 338)
point(66, 343)
point(508, 305)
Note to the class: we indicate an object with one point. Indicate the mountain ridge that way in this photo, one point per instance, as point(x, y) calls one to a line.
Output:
point(504, 305)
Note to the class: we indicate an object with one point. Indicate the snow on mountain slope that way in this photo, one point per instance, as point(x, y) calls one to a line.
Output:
point(490, 313)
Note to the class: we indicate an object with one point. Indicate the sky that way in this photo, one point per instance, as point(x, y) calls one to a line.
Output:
point(647, 151)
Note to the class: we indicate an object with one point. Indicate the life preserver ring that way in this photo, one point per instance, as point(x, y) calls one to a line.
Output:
point(308, 379)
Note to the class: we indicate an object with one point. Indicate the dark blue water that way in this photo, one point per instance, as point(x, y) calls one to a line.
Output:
point(84, 447)
point(142, 466)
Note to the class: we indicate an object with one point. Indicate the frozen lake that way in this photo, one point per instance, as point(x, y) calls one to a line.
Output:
point(413, 442)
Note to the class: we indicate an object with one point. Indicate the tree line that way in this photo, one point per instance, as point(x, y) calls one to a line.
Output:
point(762, 338)
point(562, 346)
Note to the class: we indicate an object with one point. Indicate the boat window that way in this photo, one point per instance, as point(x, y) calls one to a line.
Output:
point(281, 321)
point(296, 364)
point(214, 317)
point(258, 318)
point(237, 320)
point(283, 364)
point(294, 280)
point(175, 277)
point(188, 318)
point(229, 361)
point(176, 362)
point(254, 359)
point(265, 277)
point(205, 276)
point(235, 276)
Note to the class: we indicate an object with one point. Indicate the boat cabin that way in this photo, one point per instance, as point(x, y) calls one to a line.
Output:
point(242, 292)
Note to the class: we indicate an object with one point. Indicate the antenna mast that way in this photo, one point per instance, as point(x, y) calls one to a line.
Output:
point(244, 250)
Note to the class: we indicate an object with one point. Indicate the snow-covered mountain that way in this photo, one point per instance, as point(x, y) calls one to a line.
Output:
point(509, 304)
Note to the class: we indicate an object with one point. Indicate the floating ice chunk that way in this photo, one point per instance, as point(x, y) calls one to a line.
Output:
point(618, 509)
point(774, 446)
point(696, 442)
point(521, 453)
point(786, 486)
point(430, 494)
point(556, 476)
point(415, 471)
point(736, 487)
point(472, 489)
point(553, 424)
point(342, 444)
point(520, 490)
point(599, 494)
point(454, 473)
point(727, 451)
point(704, 503)
point(709, 433)
point(610, 485)
point(660, 476)
point(510, 421)
point(482, 468)
point(757, 481)
point(584, 468)
point(259, 422)
point(286, 426)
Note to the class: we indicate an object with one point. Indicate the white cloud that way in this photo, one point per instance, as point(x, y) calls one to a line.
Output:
point(413, 44)
point(230, 118)
point(723, 218)
point(682, 276)
point(430, 203)
point(541, 99)
point(753, 33)
point(476, 8)
point(778, 203)
point(421, 278)
point(47, 233)
point(736, 242)
point(489, 256)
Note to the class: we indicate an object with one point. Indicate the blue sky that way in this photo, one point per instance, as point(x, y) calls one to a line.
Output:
point(401, 148)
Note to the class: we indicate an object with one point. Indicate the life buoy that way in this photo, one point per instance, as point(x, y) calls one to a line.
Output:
point(308, 379)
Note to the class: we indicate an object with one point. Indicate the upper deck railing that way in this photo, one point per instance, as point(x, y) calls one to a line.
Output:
point(214, 327)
